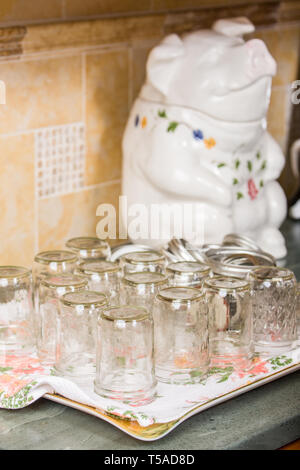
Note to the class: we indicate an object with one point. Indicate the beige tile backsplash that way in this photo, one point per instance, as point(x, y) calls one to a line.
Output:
point(69, 90)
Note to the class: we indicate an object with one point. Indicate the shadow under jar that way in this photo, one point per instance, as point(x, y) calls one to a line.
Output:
point(124, 364)
point(187, 273)
point(230, 321)
point(89, 248)
point(180, 335)
point(103, 277)
point(140, 288)
point(76, 351)
point(274, 309)
point(50, 291)
point(138, 261)
point(16, 311)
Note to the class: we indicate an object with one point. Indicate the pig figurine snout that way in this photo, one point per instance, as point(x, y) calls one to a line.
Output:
point(260, 61)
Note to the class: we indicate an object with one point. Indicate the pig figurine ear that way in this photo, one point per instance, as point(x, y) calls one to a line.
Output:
point(233, 26)
point(163, 62)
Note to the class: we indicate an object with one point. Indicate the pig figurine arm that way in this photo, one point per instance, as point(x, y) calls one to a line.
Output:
point(183, 172)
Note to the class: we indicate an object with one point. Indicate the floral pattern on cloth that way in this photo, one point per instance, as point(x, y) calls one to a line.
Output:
point(24, 380)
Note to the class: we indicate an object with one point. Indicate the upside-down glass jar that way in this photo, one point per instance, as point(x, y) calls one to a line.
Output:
point(89, 248)
point(230, 321)
point(76, 351)
point(124, 364)
point(50, 290)
point(16, 311)
point(103, 277)
point(140, 288)
point(187, 273)
point(138, 261)
point(274, 309)
point(180, 335)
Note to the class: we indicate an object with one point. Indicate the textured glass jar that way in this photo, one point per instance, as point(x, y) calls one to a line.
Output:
point(298, 309)
point(230, 321)
point(140, 288)
point(50, 290)
point(103, 277)
point(143, 261)
point(274, 309)
point(180, 335)
point(16, 311)
point(89, 248)
point(49, 263)
point(187, 273)
point(124, 364)
point(76, 351)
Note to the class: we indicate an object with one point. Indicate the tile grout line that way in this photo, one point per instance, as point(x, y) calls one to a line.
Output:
point(36, 201)
point(84, 188)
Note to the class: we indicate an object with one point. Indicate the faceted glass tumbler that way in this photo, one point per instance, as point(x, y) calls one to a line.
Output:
point(230, 321)
point(180, 335)
point(124, 364)
point(50, 290)
point(140, 288)
point(274, 309)
point(103, 277)
point(89, 248)
point(76, 348)
point(187, 273)
point(16, 311)
point(152, 261)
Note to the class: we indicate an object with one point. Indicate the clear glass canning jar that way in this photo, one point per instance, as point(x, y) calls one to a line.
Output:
point(50, 290)
point(274, 309)
point(152, 261)
point(124, 364)
point(140, 288)
point(180, 335)
point(89, 248)
point(187, 273)
point(230, 321)
point(17, 334)
point(104, 277)
point(76, 351)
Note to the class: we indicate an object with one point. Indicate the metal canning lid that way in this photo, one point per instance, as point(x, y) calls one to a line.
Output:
point(85, 298)
point(188, 267)
point(55, 256)
point(226, 283)
point(14, 272)
point(237, 262)
point(240, 240)
point(121, 250)
point(180, 294)
point(127, 313)
point(146, 257)
point(98, 267)
point(87, 244)
point(271, 273)
point(144, 277)
point(64, 280)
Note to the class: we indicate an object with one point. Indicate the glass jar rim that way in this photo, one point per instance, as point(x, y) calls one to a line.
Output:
point(55, 256)
point(90, 244)
point(14, 272)
point(98, 267)
point(144, 277)
point(147, 257)
point(70, 299)
point(140, 315)
point(271, 273)
point(194, 294)
point(226, 283)
point(64, 280)
point(199, 267)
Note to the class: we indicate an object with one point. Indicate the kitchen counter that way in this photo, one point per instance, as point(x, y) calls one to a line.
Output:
point(265, 418)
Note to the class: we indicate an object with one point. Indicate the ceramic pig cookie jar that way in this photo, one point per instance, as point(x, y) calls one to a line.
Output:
point(197, 134)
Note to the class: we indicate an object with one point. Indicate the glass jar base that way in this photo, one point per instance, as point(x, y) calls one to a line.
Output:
point(238, 361)
point(182, 377)
point(137, 397)
point(80, 375)
point(265, 349)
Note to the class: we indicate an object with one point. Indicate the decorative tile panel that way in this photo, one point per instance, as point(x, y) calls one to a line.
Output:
point(60, 159)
